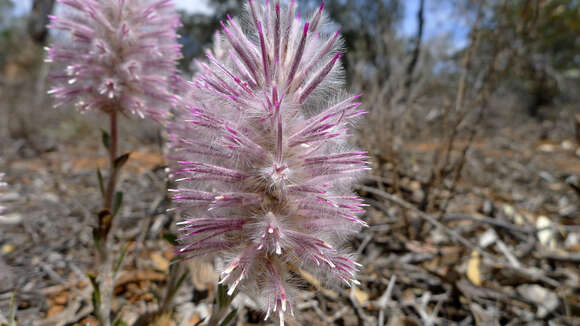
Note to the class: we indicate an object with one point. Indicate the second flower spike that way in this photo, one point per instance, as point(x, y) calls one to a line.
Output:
point(119, 55)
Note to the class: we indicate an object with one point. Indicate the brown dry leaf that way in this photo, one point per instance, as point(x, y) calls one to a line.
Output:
point(163, 320)
point(547, 148)
point(194, 319)
point(360, 296)
point(160, 263)
point(473, 268)
point(415, 185)
point(137, 276)
point(7, 248)
point(169, 253)
point(450, 255)
point(409, 296)
point(401, 320)
point(89, 321)
point(54, 310)
point(61, 298)
point(575, 247)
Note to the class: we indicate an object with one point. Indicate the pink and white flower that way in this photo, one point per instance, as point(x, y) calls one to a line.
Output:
point(118, 55)
point(263, 164)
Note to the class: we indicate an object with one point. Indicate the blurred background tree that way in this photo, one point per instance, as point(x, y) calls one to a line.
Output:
point(368, 28)
point(198, 29)
point(38, 20)
point(544, 36)
point(6, 7)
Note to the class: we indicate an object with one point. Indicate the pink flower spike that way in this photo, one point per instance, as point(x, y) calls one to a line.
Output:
point(118, 55)
point(259, 147)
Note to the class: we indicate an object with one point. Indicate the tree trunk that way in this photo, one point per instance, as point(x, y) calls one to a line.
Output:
point(38, 20)
point(417, 49)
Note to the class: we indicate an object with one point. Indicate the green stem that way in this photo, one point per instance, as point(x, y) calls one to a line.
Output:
point(220, 309)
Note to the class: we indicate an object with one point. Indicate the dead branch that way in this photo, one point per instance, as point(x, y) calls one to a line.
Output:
point(421, 214)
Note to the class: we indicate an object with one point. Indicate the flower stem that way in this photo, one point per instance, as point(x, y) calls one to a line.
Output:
point(221, 307)
point(112, 156)
point(106, 217)
point(217, 315)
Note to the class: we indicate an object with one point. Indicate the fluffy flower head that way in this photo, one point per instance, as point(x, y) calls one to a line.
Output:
point(119, 55)
point(262, 160)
